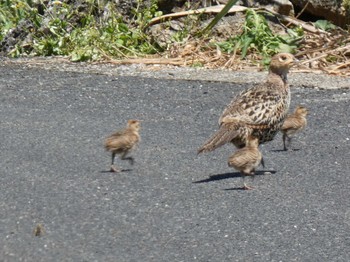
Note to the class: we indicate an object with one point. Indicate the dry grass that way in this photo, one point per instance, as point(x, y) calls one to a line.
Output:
point(329, 52)
point(319, 53)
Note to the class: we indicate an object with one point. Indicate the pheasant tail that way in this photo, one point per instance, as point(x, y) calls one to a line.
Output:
point(108, 143)
point(224, 135)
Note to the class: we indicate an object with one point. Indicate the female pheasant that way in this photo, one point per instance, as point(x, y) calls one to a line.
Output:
point(258, 111)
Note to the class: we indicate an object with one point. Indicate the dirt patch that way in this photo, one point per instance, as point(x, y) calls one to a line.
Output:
point(252, 75)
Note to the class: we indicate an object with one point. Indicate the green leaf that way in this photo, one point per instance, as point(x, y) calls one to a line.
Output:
point(284, 48)
point(324, 25)
point(218, 17)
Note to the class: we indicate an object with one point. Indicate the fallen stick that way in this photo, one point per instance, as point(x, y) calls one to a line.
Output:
point(237, 8)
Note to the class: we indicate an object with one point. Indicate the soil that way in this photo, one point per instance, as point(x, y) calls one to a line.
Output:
point(315, 80)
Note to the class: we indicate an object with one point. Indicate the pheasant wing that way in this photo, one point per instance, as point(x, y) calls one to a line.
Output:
point(256, 106)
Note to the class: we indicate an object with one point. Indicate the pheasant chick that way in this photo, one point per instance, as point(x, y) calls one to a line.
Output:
point(247, 159)
point(293, 124)
point(122, 142)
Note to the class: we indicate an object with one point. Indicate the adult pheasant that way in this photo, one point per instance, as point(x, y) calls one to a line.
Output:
point(258, 111)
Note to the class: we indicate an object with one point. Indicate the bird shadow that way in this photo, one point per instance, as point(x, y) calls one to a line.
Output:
point(229, 175)
point(282, 150)
point(218, 177)
point(235, 189)
point(121, 171)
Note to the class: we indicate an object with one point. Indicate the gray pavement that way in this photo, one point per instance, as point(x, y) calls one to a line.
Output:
point(172, 205)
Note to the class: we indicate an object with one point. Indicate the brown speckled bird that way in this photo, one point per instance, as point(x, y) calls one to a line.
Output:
point(247, 159)
point(292, 124)
point(39, 230)
point(122, 142)
point(258, 111)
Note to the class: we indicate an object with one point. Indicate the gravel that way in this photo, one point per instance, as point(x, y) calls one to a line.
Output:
point(307, 80)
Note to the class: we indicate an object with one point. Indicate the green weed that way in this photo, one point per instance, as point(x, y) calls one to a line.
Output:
point(81, 35)
point(85, 34)
point(258, 37)
point(324, 25)
point(346, 5)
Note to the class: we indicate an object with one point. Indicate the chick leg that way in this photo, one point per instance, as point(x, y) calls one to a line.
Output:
point(284, 142)
point(289, 141)
point(262, 162)
point(245, 186)
point(113, 167)
point(130, 159)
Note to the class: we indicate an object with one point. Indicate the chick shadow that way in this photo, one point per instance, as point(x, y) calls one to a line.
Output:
point(285, 151)
point(229, 175)
point(111, 172)
point(218, 177)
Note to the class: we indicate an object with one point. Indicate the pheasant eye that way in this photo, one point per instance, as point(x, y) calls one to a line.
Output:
point(283, 58)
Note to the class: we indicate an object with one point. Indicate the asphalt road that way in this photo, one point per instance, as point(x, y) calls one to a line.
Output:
point(172, 205)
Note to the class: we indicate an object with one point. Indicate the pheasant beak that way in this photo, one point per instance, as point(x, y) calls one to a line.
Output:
point(295, 61)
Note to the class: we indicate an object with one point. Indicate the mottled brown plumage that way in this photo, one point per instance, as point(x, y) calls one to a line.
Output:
point(258, 111)
point(247, 159)
point(293, 123)
point(39, 230)
point(122, 142)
